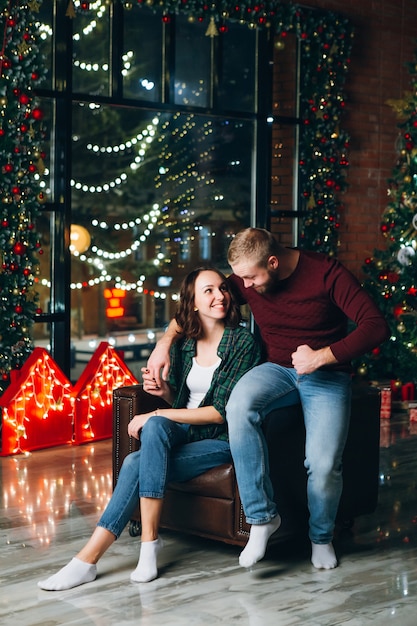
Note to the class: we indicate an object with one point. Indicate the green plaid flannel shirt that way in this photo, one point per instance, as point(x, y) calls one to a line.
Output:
point(238, 351)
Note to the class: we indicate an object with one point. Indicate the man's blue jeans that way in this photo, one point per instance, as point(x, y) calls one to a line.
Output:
point(164, 456)
point(325, 397)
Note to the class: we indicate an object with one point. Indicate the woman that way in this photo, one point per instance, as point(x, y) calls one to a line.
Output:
point(181, 442)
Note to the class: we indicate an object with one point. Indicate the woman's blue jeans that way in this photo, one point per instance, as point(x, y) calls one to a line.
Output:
point(164, 456)
point(326, 398)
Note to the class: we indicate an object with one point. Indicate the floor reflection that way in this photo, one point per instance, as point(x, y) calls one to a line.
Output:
point(51, 499)
point(38, 489)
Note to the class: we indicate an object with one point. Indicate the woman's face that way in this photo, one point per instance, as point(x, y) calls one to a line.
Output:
point(211, 297)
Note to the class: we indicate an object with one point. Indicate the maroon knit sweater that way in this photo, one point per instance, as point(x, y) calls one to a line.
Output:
point(312, 307)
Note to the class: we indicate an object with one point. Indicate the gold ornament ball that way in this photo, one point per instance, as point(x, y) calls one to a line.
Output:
point(362, 370)
point(401, 327)
point(407, 179)
point(279, 45)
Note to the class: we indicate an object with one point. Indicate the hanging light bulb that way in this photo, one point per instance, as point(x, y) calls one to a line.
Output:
point(80, 239)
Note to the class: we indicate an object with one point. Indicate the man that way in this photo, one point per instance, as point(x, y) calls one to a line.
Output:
point(301, 302)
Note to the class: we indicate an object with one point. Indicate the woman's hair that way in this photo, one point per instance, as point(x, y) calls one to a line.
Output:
point(188, 319)
point(254, 244)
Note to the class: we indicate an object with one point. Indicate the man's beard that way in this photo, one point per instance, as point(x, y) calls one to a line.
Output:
point(270, 286)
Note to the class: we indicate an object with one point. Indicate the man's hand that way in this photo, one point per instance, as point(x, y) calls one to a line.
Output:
point(305, 360)
point(150, 385)
point(159, 360)
point(159, 357)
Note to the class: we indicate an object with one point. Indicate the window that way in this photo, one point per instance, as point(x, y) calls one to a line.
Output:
point(158, 151)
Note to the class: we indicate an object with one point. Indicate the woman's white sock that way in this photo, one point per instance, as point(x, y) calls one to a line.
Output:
point(147, 567)
point(75, 573)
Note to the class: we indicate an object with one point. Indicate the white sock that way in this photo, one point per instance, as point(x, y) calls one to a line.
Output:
point(323, 556)
point(75, 573)
point(258, 539)
point(147, 567)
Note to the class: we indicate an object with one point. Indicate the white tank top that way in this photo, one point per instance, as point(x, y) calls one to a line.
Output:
point(199, 381)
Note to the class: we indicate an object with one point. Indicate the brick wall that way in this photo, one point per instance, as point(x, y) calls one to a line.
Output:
point(385, 40)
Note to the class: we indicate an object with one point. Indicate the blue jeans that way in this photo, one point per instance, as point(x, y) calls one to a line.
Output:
point(325, 397)
point(164, 456)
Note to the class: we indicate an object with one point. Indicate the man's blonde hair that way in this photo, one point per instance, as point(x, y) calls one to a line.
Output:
point(256, 244)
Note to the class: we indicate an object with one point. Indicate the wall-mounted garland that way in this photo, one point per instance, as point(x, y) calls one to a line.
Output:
point(326, 43)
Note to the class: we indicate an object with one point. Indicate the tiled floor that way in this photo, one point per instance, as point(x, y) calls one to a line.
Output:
point(51, 499)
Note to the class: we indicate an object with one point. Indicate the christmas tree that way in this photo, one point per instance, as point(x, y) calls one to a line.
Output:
point(391, 274)
point(21, 162)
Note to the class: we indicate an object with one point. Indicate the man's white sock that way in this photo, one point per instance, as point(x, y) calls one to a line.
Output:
point(258, 540)
point(323, 556)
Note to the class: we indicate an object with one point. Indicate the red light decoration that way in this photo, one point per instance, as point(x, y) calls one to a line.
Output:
point(114, 308)
point(42, 409)
point(93, 394)
point(38, 407)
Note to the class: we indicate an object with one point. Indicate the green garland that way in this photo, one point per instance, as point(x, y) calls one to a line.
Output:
point(326, 43)
point(21, 70)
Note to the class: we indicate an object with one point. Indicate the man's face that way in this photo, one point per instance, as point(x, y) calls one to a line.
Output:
point(262, 279)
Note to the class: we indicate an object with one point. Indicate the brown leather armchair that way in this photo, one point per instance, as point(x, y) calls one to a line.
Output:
point(209, 505)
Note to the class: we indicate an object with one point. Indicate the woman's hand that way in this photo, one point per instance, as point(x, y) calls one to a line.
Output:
point(137, 423)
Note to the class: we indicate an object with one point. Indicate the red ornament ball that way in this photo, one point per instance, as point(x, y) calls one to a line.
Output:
point(19, 248)
point(37, 114)
point(18, 309)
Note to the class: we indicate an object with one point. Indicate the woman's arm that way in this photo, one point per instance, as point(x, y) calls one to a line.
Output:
point(197, 417)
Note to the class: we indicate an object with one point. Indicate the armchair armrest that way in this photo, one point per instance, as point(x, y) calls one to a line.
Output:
point(128, 402)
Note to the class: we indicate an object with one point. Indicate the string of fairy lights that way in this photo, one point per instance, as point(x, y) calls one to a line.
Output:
point(98, 258)
point(179, 217)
